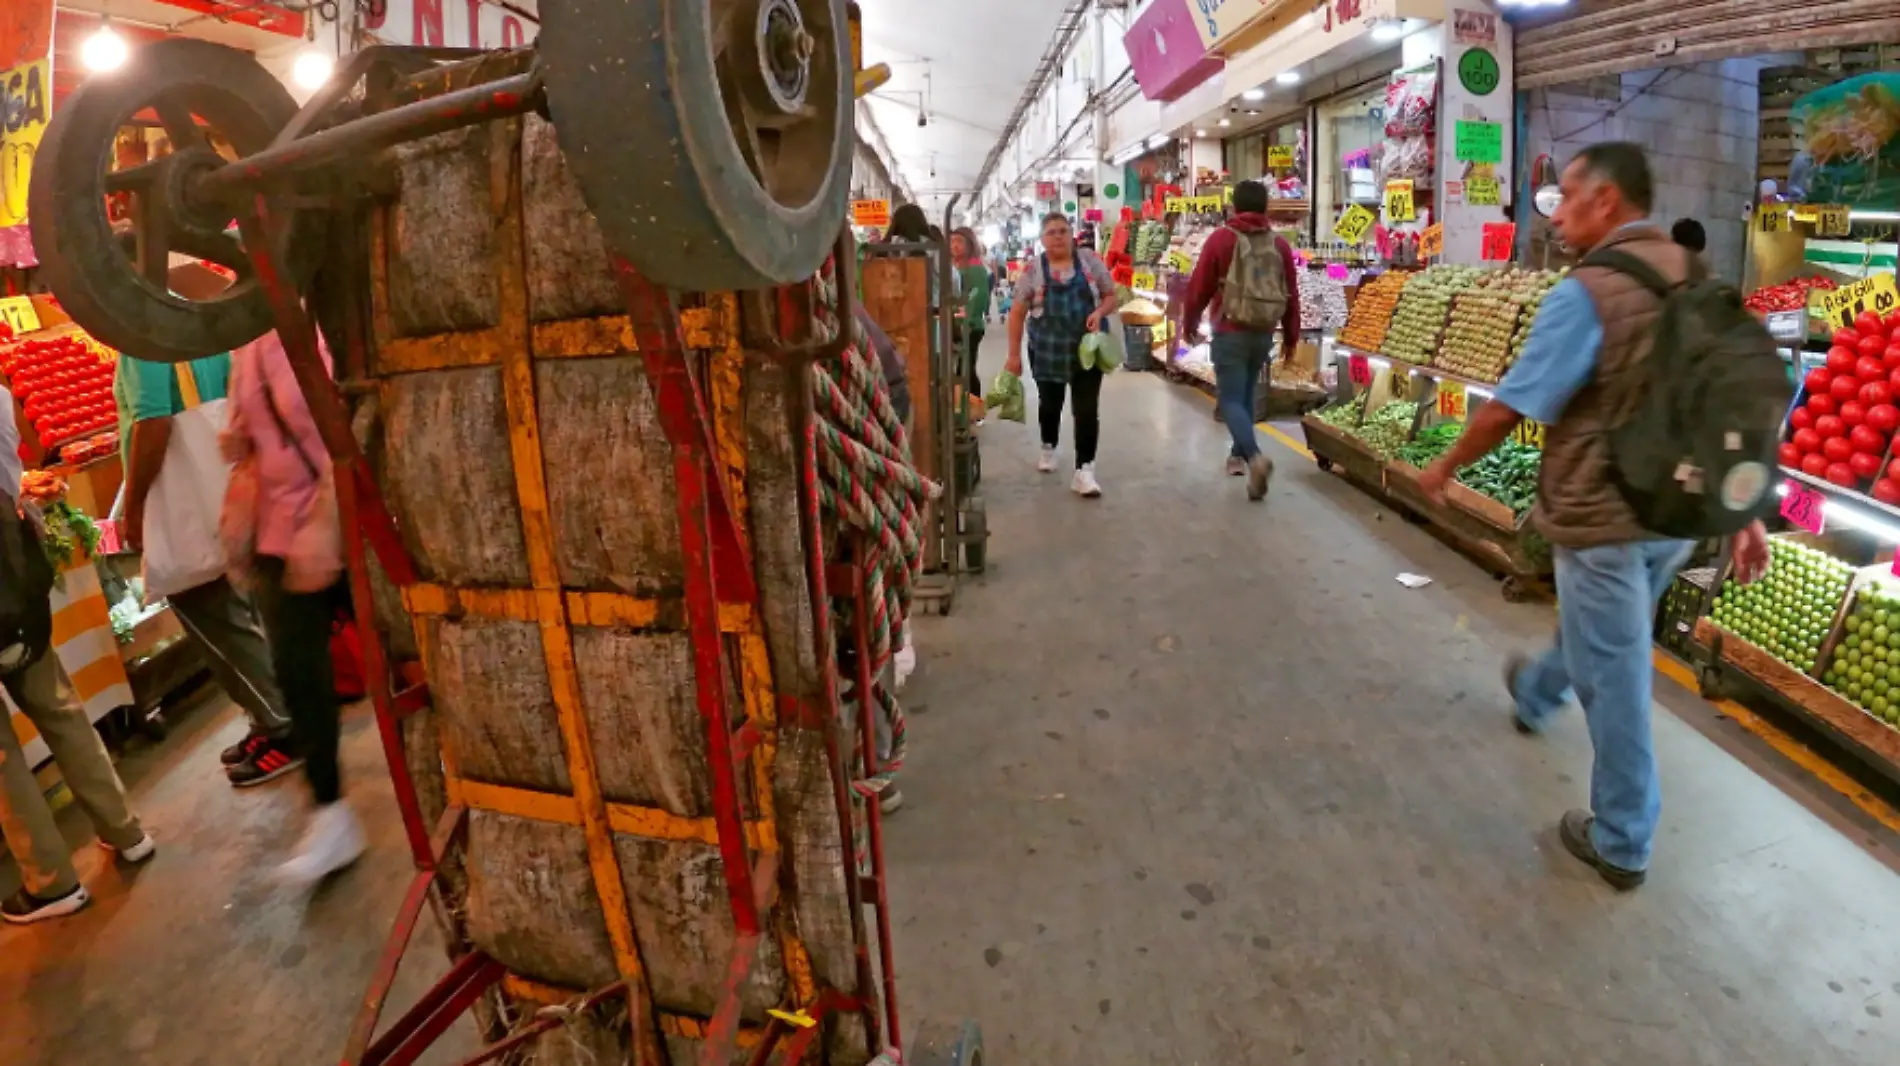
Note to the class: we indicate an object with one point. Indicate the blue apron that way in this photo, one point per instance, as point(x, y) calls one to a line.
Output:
point(1055, 336)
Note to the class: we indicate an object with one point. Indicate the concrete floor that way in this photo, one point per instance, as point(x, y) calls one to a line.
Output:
point(1191, 781)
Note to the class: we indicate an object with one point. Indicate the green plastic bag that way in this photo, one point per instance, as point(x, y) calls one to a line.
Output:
point(1005, 398)
point(1099, 350)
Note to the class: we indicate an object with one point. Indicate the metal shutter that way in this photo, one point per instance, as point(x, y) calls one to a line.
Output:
point(1613, 38)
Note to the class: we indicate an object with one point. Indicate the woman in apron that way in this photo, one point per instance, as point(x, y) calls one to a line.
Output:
point(1063, 296)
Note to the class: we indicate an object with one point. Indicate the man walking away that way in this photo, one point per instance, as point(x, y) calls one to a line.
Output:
point(219, 619)
point(1250, 279)
point(30, 670)
point(1583, 375)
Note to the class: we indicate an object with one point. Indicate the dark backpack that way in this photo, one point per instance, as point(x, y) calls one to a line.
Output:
point(26, 579)
point(1698, 458)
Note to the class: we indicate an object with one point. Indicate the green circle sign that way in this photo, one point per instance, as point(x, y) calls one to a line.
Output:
point(1112, 191)
point(1069, 207)
point(1478, 72)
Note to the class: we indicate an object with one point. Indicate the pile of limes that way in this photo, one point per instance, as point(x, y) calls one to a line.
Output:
point(1789, 611)
point(1865, 667)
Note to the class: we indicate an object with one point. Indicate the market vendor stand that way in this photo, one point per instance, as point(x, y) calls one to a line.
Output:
point(604, 526)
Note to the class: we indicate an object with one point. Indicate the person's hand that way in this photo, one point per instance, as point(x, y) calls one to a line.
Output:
point(1095, 320)
point(132, 527)
point(1749, 552)
point(1014, 363)
point(1434, 478)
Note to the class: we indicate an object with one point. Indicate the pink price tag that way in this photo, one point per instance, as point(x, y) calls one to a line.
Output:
point(1804, 508)
point(1359, 370)
point(1337, 272)
point(108, 536)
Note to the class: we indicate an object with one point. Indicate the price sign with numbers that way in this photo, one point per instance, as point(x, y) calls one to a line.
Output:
point(1359, 370)
point(1876, 294)
point(1398, 201)
point(1143, 279)
point(1831, 220)
point(1451, 400)
point(1529, 433)
point(1175, 205)
point(1498, 239)
point(1804, 508)
point(1179, 261)
point(1773, 218)
point(1279, 157)
point(1432, 241)
point(1482, 192)
point(17, 312)
point(1354, 223)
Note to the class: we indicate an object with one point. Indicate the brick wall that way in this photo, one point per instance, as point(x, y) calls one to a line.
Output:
point(1700, 126)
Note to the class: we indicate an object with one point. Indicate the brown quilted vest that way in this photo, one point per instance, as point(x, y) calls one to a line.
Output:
point(1578, 506)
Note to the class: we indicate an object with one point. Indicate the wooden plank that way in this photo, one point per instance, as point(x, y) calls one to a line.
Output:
point(1806, 694)
point(444, 244)
point(897, 297)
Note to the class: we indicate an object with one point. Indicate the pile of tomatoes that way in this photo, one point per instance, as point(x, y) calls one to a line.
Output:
point(1842, 428)
point(64, 388)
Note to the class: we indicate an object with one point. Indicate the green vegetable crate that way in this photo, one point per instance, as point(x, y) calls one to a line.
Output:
point(1818, 637)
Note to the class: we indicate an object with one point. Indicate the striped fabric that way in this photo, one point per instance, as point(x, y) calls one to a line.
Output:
point(83, 640)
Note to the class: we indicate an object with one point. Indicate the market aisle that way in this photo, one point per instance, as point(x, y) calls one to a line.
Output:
point(1197, 781)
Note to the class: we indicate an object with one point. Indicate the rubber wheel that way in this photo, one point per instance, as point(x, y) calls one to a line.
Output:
point(976, 536)
point(1708, 682)
point(82, 259)
point(963, 1047)
point(711, 156)
point(1515, 591)
point(1325, 464)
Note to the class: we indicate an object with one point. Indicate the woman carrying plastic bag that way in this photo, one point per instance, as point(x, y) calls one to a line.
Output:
point(1061, 298)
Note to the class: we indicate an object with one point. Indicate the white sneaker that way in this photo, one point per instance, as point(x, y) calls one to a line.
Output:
point(333, 840)
point(1084, 483)
point(137, 853)
point(1046, 464)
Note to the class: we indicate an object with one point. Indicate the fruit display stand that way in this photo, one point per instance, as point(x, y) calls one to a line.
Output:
point(1811, 639)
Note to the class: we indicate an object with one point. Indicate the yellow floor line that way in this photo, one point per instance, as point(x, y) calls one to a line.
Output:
point(1791, 749)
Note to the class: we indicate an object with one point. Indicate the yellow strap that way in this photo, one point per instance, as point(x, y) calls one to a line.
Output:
point(187, 384)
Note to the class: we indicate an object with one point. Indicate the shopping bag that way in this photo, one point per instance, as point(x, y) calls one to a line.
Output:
point(183, 548)
point(1005, 397)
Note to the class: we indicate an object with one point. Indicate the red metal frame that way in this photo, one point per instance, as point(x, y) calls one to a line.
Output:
point(717, 570)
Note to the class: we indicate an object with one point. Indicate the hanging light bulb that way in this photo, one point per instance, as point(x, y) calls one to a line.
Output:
point(312, 68)
point(105, 50)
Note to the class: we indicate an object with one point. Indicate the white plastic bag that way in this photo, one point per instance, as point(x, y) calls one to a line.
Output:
point(182, 546)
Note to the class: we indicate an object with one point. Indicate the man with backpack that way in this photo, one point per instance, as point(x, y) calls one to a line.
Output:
point(1251, 280)
point(31, 674)
point(1662, 400)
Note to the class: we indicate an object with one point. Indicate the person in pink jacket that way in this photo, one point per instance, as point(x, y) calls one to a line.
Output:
point(284, 538)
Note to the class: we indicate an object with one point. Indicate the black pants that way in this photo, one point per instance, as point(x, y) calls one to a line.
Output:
point(971, 381)
point(298, 625)
point(1086, 387)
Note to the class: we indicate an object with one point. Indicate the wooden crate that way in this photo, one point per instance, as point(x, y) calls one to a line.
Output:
point(510, 424)
point(1805, 694)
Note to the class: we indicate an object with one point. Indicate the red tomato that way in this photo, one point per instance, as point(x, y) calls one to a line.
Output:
point(1867, 322)
point(1867, 439)
point(1802, 418)
point(1840, 359)
point(1790, 454)
point(1846, 338)
point(1876, 392)
point(1813, 465)
point(1829, 426)
point(1809, 441)
point(1887, 490)
point(1864, 465)
point(1840, 474)
point(1844, 388)
point(1870, 368)
point(1837, 449)
point(1872, 344)
point(1892, 355)
point(1820, 378)
point(1852, 413)
point(1821, 404)
point(1884, 417)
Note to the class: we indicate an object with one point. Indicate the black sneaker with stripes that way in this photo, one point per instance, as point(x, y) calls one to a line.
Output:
point(265, 760)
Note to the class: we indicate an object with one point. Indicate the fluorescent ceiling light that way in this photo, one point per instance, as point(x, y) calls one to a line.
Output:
point(1200, 133)
point(1287, 77)
point(1158, 140)
point(1226, 122)
point(105, 50)
point(1254, 94)
point(1386, 30)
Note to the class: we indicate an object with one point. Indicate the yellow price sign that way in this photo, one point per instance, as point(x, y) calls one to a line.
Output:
point(1877, 294)
point(1279, 157)
point(1529, 433)
point(1432, 242)
point(1482, 192)
point(1398, 201)
point(17, 312)
point(1143, 279)
point(1175, 205)
point(1451, 400)
point(871, 213)
point(1179, 261)
point(1354, 223)
point(1832, 220)
point(1773, 218)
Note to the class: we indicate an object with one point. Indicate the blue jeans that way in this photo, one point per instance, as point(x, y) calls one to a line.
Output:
point(1606, 609)
point(1238, 360)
